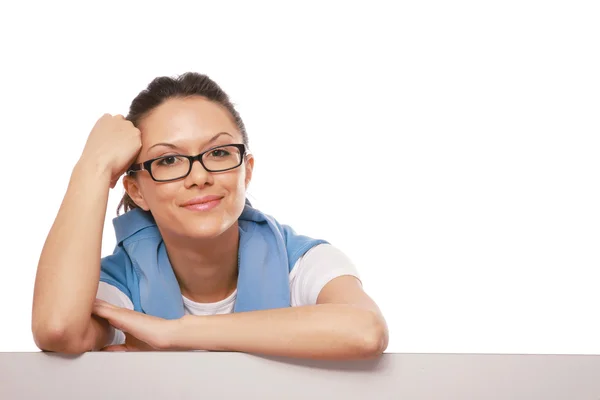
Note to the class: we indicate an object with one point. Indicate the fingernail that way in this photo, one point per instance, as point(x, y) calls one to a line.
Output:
point(103, 303)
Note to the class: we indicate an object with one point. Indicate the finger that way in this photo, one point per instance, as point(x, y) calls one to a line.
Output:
point(115, 347)
point(103, 307)
point(143, 327)
point(122, 318)
point(115, 316)
point(104, 303)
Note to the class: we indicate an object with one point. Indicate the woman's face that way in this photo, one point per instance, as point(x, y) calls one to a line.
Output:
point(192, 124)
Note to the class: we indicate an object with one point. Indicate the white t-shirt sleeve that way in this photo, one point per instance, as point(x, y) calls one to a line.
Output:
point(116, 297)
point(314, 270)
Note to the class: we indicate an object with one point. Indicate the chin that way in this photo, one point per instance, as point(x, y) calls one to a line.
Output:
point(195, 232)
point(206, 226)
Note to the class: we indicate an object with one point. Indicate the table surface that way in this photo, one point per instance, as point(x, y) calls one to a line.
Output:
point(221, 375)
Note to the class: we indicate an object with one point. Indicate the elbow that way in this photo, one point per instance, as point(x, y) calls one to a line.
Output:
point(375, 337)
point(56, 338)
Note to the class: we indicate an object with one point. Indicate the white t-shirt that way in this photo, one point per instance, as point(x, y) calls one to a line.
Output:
point(310, 274)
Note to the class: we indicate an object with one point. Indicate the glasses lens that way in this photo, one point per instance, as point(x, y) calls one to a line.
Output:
point(222, 158)
point(170, 167)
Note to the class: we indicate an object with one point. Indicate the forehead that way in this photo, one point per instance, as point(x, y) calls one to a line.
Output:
point(192, 120)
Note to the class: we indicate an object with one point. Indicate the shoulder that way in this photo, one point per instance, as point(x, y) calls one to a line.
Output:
point(324, 254)
point(317, 267)
point(115, 270)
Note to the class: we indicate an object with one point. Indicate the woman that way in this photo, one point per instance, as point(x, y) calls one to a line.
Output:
point(196, 267)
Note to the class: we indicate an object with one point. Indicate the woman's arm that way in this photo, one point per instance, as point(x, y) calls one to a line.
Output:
point(344, 324)
point(69, 267)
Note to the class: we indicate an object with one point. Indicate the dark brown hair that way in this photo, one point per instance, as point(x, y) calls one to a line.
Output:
point(185, 85)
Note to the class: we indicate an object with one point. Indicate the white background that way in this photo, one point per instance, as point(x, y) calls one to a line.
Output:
point(449, 148)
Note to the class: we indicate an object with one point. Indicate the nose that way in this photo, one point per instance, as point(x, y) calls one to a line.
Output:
point(198, 175)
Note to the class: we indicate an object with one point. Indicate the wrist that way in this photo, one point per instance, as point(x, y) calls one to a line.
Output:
point(179, 336)
point(92, 168)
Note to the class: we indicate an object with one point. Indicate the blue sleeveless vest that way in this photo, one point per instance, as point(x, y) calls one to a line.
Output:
point(140, 267)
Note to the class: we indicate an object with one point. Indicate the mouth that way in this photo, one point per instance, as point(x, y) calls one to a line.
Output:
point(203, 206)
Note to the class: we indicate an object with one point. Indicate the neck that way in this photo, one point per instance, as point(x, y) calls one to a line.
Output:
point(206, 269)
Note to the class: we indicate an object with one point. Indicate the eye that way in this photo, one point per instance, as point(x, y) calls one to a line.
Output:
point(219, 153)
point(169, 160)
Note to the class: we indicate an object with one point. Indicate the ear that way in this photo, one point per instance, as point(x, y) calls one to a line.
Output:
point(249, 168)
point(132, 188)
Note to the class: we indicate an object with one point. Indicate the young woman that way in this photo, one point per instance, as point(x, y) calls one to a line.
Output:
point(196, 267)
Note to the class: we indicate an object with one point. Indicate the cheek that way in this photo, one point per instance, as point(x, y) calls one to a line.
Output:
point(235, 189)
point(232, 183)
point(160, 193)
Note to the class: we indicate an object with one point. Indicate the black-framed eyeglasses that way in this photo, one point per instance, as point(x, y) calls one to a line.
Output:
point(176, 166)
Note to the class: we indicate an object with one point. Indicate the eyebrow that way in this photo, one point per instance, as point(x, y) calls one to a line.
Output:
point(171, 145)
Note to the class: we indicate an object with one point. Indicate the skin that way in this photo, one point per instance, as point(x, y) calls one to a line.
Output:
point(202, 246)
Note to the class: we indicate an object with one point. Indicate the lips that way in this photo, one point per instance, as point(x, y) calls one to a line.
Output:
point(203, 206)
point(201, 200)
